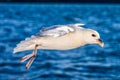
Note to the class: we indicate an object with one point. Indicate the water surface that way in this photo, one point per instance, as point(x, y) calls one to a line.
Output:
point(18, 21)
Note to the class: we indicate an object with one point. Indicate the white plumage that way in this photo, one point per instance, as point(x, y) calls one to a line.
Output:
point(53, 31)
point(58, 37)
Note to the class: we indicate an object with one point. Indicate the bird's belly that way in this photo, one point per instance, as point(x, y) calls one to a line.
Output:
point(61, 43)
point(58, 46)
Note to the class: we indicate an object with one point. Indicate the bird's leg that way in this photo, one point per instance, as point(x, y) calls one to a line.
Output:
point(32, 56)
point(30, 62)
point(26, 57)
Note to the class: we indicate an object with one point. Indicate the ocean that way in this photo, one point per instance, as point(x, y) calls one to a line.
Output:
point(90, 62)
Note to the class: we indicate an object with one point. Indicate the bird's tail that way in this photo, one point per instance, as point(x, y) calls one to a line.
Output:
point(27, 44)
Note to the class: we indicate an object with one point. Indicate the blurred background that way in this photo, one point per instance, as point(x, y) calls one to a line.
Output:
point(20, 19)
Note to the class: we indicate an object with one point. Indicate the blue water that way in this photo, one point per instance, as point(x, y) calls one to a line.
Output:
point(90, 62)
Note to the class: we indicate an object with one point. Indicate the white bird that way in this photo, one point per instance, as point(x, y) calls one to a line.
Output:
point(58, 37)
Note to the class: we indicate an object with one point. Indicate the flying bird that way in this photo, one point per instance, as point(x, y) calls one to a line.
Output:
point(58, 37)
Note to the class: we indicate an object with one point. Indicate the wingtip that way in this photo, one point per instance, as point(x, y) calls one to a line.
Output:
point(79, 24)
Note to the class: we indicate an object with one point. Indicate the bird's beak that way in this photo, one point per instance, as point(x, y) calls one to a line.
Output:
point(100, 42)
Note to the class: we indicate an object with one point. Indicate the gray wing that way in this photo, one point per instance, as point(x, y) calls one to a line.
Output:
point(56, 31)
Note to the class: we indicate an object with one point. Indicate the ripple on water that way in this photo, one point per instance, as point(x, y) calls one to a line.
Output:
point(18, 21)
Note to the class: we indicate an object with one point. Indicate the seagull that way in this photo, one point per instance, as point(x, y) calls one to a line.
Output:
point(57, 37)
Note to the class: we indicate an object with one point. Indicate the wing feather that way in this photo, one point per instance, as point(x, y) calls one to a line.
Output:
point(56, 31)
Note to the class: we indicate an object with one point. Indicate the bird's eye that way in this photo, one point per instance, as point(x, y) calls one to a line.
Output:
point(93, 35)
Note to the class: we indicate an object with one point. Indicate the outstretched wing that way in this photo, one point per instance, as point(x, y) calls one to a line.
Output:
point(56, 31)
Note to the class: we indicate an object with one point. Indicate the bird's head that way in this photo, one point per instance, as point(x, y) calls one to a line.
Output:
point(93, 37)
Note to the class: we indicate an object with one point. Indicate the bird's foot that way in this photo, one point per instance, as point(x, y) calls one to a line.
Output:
point(26, 57)
point(32, 56)
point(30, 62)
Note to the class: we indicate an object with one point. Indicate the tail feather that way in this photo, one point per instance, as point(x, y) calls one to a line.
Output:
point(27, 44)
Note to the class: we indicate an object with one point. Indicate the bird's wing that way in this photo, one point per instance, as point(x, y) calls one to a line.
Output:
point(59, 30)
point(56, 31)
point(76, 25)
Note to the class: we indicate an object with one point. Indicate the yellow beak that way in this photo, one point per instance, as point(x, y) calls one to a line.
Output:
point(100, 42)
